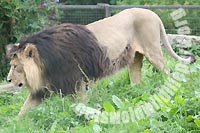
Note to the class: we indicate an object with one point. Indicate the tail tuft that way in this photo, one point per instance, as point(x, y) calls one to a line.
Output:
point(192, 58)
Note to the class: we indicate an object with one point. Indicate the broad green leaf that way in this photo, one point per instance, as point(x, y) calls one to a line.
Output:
point(147, 131)
point(179, 100)
point(189, 118)
point(117, 101)
point(197, 122)
point(173, 111)
point(108, 106)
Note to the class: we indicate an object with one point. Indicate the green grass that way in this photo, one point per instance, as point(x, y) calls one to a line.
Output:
point(56, 116)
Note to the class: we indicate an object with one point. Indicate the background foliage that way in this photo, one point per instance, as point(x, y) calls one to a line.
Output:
point(20, 17)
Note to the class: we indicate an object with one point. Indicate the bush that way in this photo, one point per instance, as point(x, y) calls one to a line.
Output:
point(19, 17)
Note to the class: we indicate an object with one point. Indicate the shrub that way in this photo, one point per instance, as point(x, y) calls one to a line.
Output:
point(19, 17)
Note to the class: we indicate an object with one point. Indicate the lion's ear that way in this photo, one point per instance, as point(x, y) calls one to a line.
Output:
point(30, 50)
point(11, 48)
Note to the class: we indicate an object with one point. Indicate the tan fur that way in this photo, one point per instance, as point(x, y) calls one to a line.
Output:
point(143, 30)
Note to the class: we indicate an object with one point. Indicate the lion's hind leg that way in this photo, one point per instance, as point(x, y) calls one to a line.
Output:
point(157, 59)
point(135, 68)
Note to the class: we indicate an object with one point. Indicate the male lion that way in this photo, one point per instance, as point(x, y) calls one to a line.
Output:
point(60, 59)
point(143, 30)
point(63, 58)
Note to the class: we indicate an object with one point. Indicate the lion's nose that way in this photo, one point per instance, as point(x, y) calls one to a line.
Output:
point(9, 80)
point(20, 85)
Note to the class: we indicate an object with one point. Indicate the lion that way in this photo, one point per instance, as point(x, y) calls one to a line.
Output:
point(60, 59)
point(143, 30)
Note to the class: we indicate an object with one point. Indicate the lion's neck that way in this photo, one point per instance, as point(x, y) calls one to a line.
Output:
point(33, 76)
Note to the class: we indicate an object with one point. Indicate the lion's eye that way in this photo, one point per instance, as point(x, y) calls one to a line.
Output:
point(15, 66)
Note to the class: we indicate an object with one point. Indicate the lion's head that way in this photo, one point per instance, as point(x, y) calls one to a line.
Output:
point(24, 66)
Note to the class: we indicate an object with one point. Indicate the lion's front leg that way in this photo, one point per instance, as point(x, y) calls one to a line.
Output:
point(30, 102)
point(81, 92)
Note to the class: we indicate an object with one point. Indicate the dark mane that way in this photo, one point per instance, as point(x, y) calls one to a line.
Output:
point(62, 49)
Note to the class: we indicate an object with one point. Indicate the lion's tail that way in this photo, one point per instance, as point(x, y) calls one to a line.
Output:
point(167, 45)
